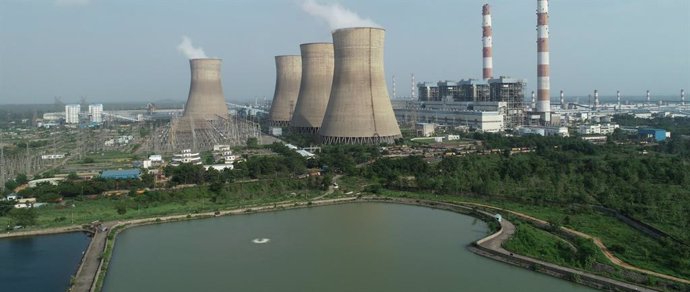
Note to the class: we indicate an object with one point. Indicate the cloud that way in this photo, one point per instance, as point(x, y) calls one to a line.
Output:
point(336, 15)
point(189, 50)
point(72, 2)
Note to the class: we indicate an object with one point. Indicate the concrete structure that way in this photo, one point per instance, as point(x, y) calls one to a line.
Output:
point(96, 113)
point(121, 174)
point(205, 100)
point(425, 129)
point(596, 100)
point(315, 87)
point(359, 109)
point(510, 91)
point(72, 113)
point(428, 91)
point(544, 131)
point(487, 41)
point(543, 105)
point(597, 129)
point(288, 78)
point(186, 156)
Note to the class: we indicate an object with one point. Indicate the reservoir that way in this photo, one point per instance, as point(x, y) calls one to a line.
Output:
point(350, 247)
point(40, 263)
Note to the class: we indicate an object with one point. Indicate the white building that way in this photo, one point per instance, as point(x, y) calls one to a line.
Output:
point(72, 113)
point(96, 113)
point(186, 156)
point(544, 131)
point(597, 129)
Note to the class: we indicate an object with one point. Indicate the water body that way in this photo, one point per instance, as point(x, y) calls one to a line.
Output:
point(40, 263)
point(352, 247)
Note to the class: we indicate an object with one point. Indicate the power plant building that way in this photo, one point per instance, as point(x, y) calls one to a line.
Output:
point(96, 113)
point(288, 78)
point(359, 108)
point(72, 113)
point(315, 87)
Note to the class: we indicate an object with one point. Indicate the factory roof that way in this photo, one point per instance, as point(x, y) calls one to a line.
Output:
point(121, 174)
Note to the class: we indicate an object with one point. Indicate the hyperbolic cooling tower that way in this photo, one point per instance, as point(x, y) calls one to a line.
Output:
point(205, 101)
point(315, 89)
point(359, 109)
point(288, 76)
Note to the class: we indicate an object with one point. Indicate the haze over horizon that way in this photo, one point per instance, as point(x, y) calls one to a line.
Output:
point(127, 50)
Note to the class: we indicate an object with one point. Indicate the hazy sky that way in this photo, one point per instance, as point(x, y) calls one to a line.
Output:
point(126, 50)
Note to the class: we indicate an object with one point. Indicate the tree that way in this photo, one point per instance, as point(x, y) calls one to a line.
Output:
point(21, 179)
point(24, 216)
point(72, 176)
point(253, 142)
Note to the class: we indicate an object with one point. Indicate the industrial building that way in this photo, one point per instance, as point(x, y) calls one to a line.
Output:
point(72, 113)
point(96, 113)
point(121, 174)
point(657, 135)
point(359, 109)
point(288, 78)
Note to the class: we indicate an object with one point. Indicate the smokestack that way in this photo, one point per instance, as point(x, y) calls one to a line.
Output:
point(315, 87)
point(596, 99)
point(487, 40)
point(618, 98)
point(288, 76)
point(649, 98)
point(359, 110)
point(543, 82)
point(534, 102)
point(682, 97)
point(205, 101)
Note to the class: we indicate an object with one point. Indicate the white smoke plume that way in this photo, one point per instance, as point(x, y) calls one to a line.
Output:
point(189, 50)
point(336, 15)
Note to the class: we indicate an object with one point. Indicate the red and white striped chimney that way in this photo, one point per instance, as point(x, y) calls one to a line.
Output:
point(649, 97)
point(563, 100)
point(596, 99)
point(543, 82)
point(487, 40)
point(618, 98)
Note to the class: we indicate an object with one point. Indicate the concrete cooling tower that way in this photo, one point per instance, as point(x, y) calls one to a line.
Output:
point(205, 101)
point(359, 109)
point(288, 76)
point(315, 89)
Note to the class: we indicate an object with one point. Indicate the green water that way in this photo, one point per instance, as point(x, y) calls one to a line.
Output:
point(352, 247)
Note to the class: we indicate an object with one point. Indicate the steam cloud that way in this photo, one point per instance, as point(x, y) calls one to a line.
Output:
point(336, 15)
point(189, 50)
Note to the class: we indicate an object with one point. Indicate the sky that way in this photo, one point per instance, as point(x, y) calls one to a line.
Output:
point(127, 50)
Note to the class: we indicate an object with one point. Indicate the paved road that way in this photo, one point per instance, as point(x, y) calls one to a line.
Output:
point(86, 274)
point(508, 228)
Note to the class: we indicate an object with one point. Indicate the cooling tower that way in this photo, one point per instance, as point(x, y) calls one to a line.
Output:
point(315, 88)
point(359, 109)
point(288, 76)
point(205, 101)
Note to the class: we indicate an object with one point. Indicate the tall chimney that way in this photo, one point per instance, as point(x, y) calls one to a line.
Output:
point(543, 82)
point(618, 98)
point(682, 97)
point(288, 76)
point(487, 40)
point(205, 101)
point(359, 109)
point(315, 88)
point(563, 106)
point(649, 98)
point(596, 99)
